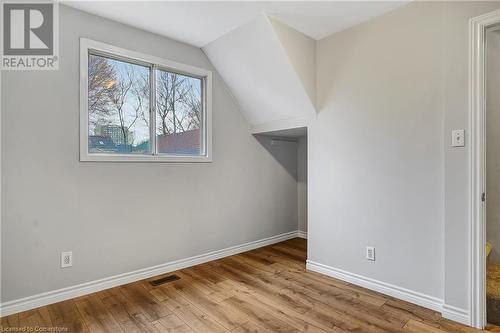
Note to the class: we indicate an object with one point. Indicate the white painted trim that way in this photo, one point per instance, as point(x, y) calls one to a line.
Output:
point(1, 225)
point(282, 124)
point(458, 315)
point(302, 234)
point(401, 293)
point(87, 45)
point(59, 295)
point(477, 258)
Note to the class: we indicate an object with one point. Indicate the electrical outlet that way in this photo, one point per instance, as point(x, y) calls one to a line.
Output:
point(370, 253)
point(66, 259)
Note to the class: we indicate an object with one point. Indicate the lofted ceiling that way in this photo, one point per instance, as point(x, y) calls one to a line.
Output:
point(256, 65)
point(201, 22)
point(264, 51)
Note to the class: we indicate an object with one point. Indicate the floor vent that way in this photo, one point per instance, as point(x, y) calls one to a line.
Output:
point(164, 280)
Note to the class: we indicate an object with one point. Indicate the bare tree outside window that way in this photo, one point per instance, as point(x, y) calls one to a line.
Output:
point(118, 106)
point(178, 113)
point(101, 78)
point(119, 97)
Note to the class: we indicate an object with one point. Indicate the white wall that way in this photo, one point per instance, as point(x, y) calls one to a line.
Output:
point(381, 172)
point(455, 47)
point(255, 64)
point(302, 182)
point(376, 151)
point(493, 142)
point(119, 217)
point(301, 51)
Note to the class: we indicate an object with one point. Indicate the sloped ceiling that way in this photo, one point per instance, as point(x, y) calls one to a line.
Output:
point(265, 51)
point(201, 22)
point(301, 51)
point(270, 69)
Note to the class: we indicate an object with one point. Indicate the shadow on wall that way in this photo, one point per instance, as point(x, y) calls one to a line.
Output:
point(283, 150)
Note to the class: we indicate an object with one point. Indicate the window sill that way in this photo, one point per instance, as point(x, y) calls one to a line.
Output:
point(144, 158)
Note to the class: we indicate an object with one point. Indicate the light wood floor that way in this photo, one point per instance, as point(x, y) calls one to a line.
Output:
point(265, 290)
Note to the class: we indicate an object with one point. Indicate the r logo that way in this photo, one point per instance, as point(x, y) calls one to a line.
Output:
point(28, 29)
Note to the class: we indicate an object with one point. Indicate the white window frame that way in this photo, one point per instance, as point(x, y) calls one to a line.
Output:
point(86, 46)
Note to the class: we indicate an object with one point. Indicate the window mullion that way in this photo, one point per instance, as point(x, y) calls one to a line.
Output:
point(152, 113)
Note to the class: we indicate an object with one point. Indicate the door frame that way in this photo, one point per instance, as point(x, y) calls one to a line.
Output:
point(477, 159)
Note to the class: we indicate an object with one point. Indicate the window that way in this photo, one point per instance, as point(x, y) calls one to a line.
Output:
point(136, 107)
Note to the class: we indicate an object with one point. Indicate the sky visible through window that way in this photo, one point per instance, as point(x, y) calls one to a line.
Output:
point(119, 104)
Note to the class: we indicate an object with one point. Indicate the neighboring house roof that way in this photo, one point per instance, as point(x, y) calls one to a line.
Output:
point(187, 142)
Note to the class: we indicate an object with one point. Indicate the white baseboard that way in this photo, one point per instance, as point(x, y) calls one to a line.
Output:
point(59, 295)
point(302, 234)
point(447, 311)
point(404, 294)
point(456, 314)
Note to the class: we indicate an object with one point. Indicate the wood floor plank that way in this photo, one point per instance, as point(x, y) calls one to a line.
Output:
point(11, 321)
point(264, 286)
point(35, 318)
point(414, 326)
point(340, 302)
point(172, 323)
point(205, 286)
point(280, 257)
point(263, 318)
point(318, 312)
point(450, 326)
point(168, 296)
point(227, 316)
point(408, 311)
point(137, 324)
point(264, 290)
point(493, 328)
point(256, 263)
point(116, 304)
point(95, 315)
point(136, 294)
point(250, 327)
point(174, 299)
point(369, 318)
point(300, 321)
point(264, 260)
point(199, 321)
point(65, 314)
point(290, 251)
point(130, 308)
point(331, 289)
point(283, 253)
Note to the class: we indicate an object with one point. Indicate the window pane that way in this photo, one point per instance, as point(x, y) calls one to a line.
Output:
point(178, 114)
point(118, 103)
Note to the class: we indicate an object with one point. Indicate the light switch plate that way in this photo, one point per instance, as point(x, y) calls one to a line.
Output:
point(458, 138)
